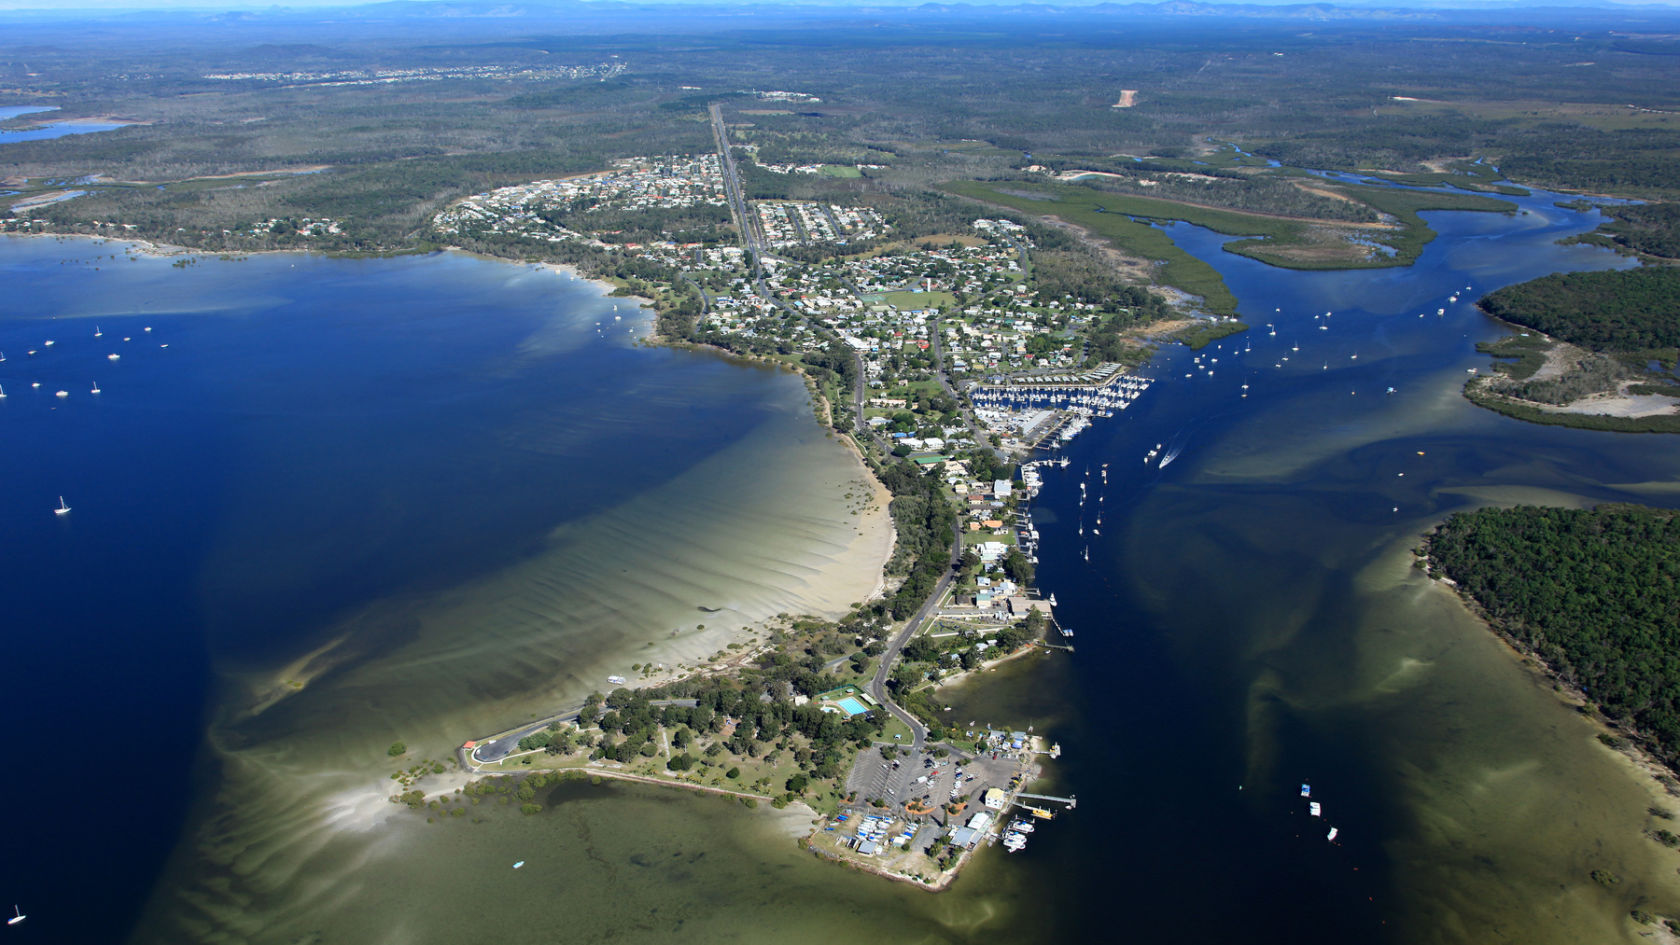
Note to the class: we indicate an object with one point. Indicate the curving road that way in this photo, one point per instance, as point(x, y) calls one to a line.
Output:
point(495, 749)
point(878, 685)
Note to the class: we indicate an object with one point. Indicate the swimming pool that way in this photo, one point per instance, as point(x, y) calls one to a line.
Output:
point(851, 706)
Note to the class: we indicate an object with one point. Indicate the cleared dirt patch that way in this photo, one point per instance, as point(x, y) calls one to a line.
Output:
point(1620, 404)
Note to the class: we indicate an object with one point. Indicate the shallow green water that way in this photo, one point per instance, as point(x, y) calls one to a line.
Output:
point(445, 544)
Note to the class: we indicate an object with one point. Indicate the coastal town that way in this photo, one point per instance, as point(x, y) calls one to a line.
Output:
point(341, 77)
point(941, 356)
point(685, 473)
point(957, 372)
point(923, 321)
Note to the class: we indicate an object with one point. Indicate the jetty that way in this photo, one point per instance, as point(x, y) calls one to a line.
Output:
point(1070, 802)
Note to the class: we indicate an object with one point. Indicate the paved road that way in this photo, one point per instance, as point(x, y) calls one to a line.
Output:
point(939, 374)
point(732, 188)
point(501, 746)
point(751, 235)
point(878, 685)
point(705, 297)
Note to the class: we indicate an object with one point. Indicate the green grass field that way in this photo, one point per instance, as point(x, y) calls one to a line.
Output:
point(918, 300)
point(841, 170)
point(910, 388)
point(895, 728)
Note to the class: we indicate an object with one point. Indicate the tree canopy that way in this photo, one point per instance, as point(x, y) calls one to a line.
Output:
point(1629, 310)
point(1594, 593)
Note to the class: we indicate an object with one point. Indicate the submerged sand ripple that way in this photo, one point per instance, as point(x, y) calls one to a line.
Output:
point(301, 827)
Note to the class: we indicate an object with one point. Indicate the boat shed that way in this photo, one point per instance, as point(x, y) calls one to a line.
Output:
point(1021, 606)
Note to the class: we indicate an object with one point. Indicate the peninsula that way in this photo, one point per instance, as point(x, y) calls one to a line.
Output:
point(966, 232)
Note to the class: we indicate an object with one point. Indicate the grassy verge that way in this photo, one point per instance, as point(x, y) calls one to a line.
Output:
point(896, 731)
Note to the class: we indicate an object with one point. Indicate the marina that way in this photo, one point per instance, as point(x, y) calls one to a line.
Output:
point(1039, 414)
point(1202, 683)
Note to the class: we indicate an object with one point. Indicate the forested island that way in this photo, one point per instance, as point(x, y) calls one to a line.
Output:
point(1606, 355)
point(1591, 593)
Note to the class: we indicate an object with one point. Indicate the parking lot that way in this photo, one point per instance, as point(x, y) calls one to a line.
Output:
point(920, 784)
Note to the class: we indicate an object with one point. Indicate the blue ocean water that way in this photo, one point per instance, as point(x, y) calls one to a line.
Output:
point(1226, 622)
point(360, 427)
point(277, 438)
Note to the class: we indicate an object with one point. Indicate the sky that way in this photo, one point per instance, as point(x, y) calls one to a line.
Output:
point(217, 5)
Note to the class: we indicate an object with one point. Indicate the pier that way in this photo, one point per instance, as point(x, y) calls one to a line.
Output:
point(1053, 408)
point(1071, 802)
point(1048, 432)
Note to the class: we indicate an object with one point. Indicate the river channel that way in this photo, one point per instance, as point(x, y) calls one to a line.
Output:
point(1247, 618)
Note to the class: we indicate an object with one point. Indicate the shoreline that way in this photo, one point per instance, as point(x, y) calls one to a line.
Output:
point(876, 537)
point(1567, 693)
point(869, 541)
point(1657, 784)
point(989, 665)
point(868, 545)
point(1617, 411)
